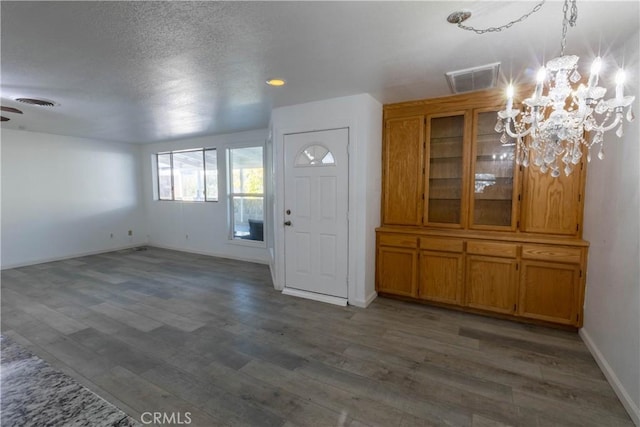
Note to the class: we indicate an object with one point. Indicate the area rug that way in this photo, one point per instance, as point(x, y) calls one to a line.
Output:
point(35, 394)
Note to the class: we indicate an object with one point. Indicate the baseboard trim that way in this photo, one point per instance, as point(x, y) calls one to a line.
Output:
point(618, 388)
point(70, 256)
point(314, 296)
point(364, 303)
point(207, 253)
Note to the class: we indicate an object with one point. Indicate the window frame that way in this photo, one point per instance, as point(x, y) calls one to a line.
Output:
point(204, 175)
point(230, 195)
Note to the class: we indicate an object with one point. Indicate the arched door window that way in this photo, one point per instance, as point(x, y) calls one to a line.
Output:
point(315, 155)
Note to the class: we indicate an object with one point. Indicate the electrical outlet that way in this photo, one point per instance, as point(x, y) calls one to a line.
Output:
point(130, 232)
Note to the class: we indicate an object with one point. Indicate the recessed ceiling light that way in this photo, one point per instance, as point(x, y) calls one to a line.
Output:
point(276, 82)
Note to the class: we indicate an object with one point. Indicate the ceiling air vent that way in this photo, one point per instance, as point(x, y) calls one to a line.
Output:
point(471, 79)
point(10, 109)
point(39, 102)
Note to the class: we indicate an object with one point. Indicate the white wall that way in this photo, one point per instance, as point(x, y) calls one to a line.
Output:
point(205, 223)
point(362, 114)
point(612, 225)
point(63, 197)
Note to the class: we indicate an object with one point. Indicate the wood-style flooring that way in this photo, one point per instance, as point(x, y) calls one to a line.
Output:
point(171, 332)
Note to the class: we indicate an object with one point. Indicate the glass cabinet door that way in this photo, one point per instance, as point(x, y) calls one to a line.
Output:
point(445, 171)
point(494, 170)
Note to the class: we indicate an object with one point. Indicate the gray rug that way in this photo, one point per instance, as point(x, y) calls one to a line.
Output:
point(35, 394)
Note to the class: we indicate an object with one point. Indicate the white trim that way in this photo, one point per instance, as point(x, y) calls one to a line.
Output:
point(609, 373)
point(209, 253)
point(364, 303)
point(314, 296)
point(71, 256)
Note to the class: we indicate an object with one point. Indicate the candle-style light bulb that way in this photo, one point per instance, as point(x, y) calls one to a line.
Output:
point(620, 78)
point(542, 74)
point(509, 97)
point(595, 70)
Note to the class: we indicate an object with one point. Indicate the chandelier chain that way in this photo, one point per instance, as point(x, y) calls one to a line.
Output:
point(568, 20)
point(505, 26)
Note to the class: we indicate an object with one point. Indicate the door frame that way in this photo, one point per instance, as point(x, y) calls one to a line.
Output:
point(278, 214)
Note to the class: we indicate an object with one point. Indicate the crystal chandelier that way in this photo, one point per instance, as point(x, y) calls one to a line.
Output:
point(553, 126)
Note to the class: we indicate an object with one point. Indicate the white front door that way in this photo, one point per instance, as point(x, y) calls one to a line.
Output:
point(316, 196)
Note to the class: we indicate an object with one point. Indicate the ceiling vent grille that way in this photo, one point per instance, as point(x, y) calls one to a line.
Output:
point(471, 79)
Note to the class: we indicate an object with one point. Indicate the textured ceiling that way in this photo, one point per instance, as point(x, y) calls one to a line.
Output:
point(150, 71)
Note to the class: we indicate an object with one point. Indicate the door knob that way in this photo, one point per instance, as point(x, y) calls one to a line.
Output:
point(287, 223)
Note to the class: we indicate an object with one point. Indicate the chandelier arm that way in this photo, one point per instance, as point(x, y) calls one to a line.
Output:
point(602, 128)
point(512, 134)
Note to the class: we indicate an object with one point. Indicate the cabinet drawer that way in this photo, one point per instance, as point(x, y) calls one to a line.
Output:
point(552, 253)
point(492, 249)
point(445, 245)
point(400, 240)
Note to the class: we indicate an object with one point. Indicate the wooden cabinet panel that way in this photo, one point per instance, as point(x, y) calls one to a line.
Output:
point(491, 283)
point(441, 277)
point(552, 253)
point(441, 244)
point(507, 250)
point(550, 291)
point(397, 271)
point(403, 157)
point(551, 205)
point(400, 240)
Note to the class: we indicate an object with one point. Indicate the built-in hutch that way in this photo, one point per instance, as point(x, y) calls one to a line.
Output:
point(464, 226)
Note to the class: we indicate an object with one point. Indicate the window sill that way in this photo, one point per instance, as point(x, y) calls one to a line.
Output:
point(249, 243)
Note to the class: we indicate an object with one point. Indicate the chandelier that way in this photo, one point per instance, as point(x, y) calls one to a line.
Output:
point(555, 125)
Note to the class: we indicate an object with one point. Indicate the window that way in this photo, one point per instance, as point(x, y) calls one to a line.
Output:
point(189, 175)
point(246, 193)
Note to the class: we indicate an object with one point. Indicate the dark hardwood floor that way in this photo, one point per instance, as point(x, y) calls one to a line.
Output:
point(164, 331)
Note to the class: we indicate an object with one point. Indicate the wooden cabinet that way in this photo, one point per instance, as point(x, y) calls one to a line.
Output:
point(397, 264)
point(491, 276)
point(552, 205)
point(441, 270)
point(464, 225)
point(551, 284)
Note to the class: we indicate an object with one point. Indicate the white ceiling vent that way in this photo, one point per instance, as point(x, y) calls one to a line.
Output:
point(476, 78)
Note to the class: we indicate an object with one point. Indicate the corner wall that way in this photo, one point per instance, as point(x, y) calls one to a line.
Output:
point(64, 197)
point(612, 225)
point(362, 114)
point(198, 227)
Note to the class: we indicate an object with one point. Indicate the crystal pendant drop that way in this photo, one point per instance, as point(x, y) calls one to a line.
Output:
point(589, 156)
point(575, 76)
point(499, 126)
point(619, 131)
point(504, 138)
point(567, 170)
point(630, 115)
point(555, 173)
point(601, 153)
